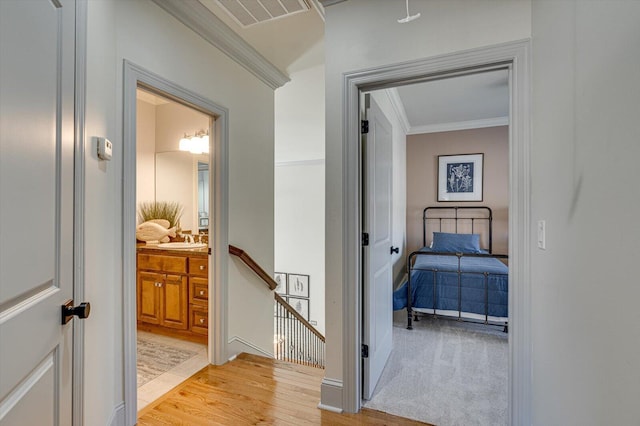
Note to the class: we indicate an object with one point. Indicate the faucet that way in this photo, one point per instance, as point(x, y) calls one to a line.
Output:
point(188, 238)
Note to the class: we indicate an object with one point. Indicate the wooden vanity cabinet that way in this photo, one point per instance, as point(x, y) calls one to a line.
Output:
point(199, 295)
point(173, 293)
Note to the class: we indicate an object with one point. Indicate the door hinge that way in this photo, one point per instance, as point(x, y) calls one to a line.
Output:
point(365, 351)
point(364, 126)
point(365, 239)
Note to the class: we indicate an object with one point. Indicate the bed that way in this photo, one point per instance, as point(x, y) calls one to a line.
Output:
point(455, 274)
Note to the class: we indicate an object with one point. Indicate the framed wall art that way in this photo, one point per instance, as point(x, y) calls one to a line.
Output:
point(298, 285)
point(460, 177)
point(300, 305)
point(280, 279)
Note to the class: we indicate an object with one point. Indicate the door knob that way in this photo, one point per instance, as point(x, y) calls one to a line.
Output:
point(68, 311)
point(395, 249)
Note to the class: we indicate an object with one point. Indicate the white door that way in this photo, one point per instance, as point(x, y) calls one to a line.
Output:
point(37, 41)
point(377, 288)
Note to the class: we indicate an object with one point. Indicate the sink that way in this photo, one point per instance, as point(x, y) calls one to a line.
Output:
point(181, 246)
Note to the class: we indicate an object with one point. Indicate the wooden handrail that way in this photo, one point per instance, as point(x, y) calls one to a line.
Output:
point(270, 282)
point(298, 316)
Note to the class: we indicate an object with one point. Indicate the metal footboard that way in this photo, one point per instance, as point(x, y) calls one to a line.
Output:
point(413, 315)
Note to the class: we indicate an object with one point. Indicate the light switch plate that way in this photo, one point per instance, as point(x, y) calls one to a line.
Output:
point(105, 149)
point(542, 238)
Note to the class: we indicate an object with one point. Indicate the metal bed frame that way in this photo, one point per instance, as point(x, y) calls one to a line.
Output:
point(485, 215)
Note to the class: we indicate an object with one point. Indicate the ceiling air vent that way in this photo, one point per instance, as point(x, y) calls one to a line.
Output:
point(249, 12)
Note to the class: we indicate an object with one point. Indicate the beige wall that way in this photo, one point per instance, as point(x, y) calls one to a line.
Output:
point(159, 130)
point(145, 151)
point(422, 177)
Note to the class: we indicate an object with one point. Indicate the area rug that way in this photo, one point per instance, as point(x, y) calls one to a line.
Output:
point(446, 373)
point(155, 358)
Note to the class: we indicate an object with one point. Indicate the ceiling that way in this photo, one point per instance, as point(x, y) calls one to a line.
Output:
point(295, 42)
point(471, 101)
point(285, 41)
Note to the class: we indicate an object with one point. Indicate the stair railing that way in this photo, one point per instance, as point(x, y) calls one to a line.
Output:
point(295, 339)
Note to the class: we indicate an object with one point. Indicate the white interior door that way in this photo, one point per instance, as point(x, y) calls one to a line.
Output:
point(377, 286)
point(37, 42)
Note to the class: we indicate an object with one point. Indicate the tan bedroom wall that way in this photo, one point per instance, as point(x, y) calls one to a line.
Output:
point(422, 177)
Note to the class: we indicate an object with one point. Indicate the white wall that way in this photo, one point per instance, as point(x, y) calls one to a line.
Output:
point(299, 180)
point(585, 150)
point(141, 32)
point(361, 34)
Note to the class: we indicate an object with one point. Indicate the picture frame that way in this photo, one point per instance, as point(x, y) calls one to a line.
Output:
point(298, 285)
point(281, 279)
point(300, 305)
point(460, 177)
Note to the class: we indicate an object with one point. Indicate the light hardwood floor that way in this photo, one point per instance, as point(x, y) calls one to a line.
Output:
point(253, 390)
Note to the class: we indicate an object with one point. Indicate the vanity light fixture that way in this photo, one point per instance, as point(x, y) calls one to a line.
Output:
point(196, 144)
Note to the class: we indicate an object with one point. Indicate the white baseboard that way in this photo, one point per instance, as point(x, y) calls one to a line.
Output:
point(331, 395)
point(117, 416)
point(238, 345)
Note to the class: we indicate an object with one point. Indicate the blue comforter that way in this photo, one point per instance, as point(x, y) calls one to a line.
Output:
point(473, 295)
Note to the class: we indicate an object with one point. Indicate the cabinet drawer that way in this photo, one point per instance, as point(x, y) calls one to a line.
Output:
point(199, 291)
point(156, 262)
point(199, 266)
point(199, 319)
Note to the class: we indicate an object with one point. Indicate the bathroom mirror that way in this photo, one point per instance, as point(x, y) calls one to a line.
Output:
point(184, 177)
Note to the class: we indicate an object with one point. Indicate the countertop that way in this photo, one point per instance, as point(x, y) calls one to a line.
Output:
point(153, 249)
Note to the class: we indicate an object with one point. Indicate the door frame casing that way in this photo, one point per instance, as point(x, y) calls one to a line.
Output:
point(80, 101)
point(134, 76)
point(514, 56)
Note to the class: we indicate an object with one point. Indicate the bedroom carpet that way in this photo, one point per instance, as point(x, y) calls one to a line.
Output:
point(446, 373)
point(155, 358)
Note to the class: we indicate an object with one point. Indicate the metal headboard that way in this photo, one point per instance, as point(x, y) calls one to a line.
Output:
point(446, 213)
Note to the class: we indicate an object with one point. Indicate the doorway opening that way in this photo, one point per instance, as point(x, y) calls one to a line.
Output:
point(514, 57)
point(172, 236)
point(451, 365)
point(173, 289)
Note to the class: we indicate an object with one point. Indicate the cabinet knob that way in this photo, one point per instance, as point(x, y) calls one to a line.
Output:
point(201, 292)
point(158, 284)
point(201, 320)
point(202, 267)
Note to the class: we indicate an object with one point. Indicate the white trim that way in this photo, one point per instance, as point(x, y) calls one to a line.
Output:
point(459, 125)
point(117, 416)
point(314, 162)
point(326, 3)
point(80, 101)
point(319, 8)
point(514, 56)
point(218, 158)
point(206, 24)
point(331, 395)
point(398, 108)
point(237, 345)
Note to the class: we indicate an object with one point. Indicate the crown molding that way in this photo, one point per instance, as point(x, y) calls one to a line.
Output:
point(398, 108)
point(319, 8)
point(326, 3)
point(460, 125)
point(206, 24)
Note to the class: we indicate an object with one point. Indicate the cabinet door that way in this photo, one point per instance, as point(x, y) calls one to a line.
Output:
point(199, 293)
point(149, 285)
point(175, 302)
